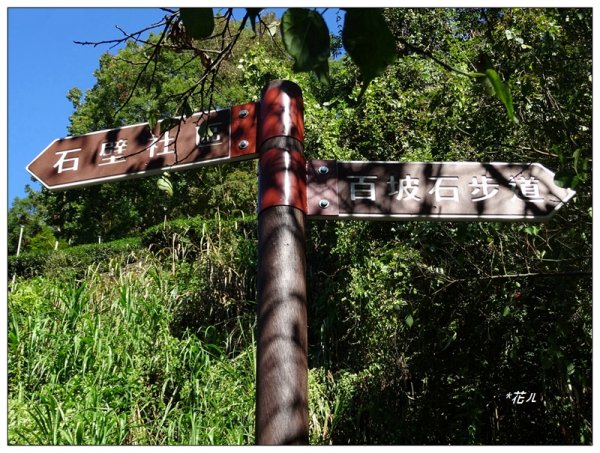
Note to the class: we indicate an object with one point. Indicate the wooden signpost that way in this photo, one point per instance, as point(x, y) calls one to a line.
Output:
point(290, 191)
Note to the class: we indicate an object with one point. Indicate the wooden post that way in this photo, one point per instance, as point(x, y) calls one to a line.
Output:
point(281, 362)
point(18, 252)
point(20, 239)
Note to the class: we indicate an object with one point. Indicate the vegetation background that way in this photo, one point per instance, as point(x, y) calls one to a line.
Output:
point(418, 331)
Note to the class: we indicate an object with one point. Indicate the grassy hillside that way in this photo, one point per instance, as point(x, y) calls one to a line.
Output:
point(150, 341)
point(149, 344)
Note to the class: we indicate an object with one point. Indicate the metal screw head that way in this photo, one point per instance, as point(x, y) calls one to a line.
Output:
point(323, 204)
point(323, 170)
point(244, 113)
point(244, 144)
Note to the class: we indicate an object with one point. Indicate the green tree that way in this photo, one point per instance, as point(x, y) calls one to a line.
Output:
point(439, 322)
point(45, 241)
point(122, 95)
point(28, 212)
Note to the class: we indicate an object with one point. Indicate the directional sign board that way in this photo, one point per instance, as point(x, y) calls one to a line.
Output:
point(133, 151)
point(434, 190)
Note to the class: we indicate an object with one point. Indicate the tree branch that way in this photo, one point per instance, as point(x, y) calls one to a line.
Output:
point(135, 36)
point(443, 64)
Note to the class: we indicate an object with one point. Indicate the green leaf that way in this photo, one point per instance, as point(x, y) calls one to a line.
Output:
point(152, 119)
point(577, 160)
point(186, 109)
point(273, 27)
point(168, 124)
point(502, 92)
point(199, 22)
point(164, 184)
point(566, 178)
point(409, 320)
point(306, 38)
point(369, 42)
point(204, 131)
point(506, 311)
point(252, 15)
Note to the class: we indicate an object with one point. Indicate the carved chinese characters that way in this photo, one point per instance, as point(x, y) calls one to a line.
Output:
point(361, 190)
point(131, 151)
point(451, 191)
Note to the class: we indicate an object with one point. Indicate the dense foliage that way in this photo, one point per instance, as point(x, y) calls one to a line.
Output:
point(102, 361)
point(419, 332)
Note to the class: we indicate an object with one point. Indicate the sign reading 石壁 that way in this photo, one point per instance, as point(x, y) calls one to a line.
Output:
point(434, 190)
point(138, 150)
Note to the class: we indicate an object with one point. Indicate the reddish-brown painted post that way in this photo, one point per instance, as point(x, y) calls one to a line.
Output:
point(281, 357)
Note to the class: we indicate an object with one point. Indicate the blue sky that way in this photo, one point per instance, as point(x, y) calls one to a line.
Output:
point(42, 71)
point(44, 63)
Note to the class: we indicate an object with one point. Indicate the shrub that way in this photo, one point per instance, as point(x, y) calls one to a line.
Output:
point(72, 260)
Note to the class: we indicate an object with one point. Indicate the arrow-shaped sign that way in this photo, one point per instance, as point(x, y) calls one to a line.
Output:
point(335, 189)
point(434, 190)
point(133, 151)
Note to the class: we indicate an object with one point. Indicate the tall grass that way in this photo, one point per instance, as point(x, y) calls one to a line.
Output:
point(160, 352)
point(95, 362)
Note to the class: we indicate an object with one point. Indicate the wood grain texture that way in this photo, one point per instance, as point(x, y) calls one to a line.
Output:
point(282, 364)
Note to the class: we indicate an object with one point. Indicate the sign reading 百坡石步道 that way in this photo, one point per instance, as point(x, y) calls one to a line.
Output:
point(432, 190)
